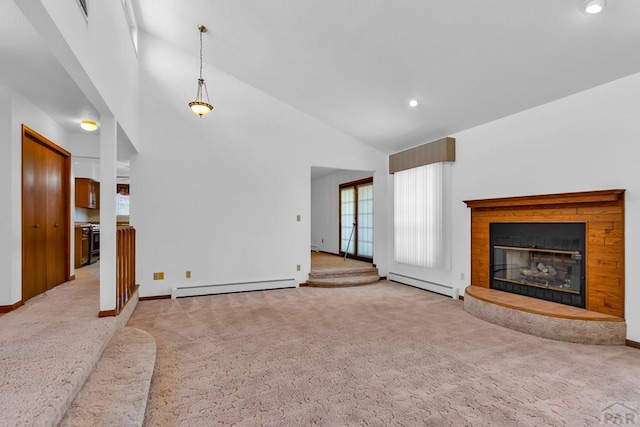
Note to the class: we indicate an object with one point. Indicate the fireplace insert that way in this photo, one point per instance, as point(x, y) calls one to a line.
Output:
point(539, 260)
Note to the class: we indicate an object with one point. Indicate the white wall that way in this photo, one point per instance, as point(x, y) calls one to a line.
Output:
point(7, 208)
point(16, 110)
point(97, 53)
point(584, 142)
point(219, 195)
point(325, 209)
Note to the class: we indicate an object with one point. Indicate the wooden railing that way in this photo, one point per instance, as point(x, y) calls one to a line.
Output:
point(125, 265)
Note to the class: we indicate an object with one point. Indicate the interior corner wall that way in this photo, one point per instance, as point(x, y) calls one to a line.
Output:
point(16, 110)
point(584, 142)
point(87, 146)
point(97, 53)
point(7, 208)
point(325, 209)
point(219, 195)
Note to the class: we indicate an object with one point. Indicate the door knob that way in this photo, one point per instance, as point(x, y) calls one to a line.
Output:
point(36, 226)
point(55, 225)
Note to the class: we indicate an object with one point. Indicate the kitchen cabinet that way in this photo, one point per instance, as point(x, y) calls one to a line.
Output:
point(87, 193)
point(81, 245)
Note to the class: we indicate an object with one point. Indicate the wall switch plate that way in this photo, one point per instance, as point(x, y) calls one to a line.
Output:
point(188, 274)
point(461, 276)
point(298, 218)
point(298, 267)
point(158, 276)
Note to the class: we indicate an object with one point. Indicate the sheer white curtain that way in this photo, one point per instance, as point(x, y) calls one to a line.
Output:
point(419, 224)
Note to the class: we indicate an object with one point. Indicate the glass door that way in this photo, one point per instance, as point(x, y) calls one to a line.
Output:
point(356, 219)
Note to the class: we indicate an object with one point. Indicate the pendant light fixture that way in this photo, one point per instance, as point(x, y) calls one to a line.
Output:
point(199, 106)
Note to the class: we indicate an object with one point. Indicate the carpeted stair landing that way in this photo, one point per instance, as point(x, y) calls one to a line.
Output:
point(55, 349)
point(116, 392)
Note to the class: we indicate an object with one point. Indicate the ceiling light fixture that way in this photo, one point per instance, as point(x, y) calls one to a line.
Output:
point(199, 106)
point(594, 6)
point(89, 125)
point(413, 103)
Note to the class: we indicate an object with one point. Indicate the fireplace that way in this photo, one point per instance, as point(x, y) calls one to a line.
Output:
point(539, 260)
point(594, 252)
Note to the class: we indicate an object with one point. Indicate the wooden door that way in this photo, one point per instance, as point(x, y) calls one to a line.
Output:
point(34, 228)
point(57, 232)
point(45, 214)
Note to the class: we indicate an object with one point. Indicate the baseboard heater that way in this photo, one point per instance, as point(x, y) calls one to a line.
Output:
point(225, 288)
point(423, 284)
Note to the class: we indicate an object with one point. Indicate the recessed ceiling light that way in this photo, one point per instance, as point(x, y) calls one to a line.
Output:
point(413, 103)
point(89, 125)
point(595, 6)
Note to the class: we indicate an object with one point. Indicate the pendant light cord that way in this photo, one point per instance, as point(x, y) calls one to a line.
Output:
point(200, 54)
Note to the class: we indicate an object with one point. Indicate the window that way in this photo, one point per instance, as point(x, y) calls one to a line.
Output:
point(122, 204)
point(419, 223)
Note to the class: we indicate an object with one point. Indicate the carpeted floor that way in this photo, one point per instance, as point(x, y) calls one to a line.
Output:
point(384, 354)
point(48, 348)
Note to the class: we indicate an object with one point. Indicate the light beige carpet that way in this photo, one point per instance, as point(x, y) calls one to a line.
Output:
point(116, 392)
point(384, 354)
point(48, 348)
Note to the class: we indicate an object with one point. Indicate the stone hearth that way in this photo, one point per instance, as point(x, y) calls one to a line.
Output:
point(544, 319)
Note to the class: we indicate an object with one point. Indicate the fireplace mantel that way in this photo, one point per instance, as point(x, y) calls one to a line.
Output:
point(602, 212)
point(559, 199)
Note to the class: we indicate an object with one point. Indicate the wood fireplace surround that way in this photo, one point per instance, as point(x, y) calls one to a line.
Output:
point(602, 212)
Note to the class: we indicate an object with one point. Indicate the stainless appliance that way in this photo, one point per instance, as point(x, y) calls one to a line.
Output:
point(94, 243)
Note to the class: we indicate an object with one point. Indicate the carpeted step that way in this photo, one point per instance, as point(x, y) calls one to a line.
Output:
point(116, 392)
point(48, 348)
point(348, 272)
point(342, 277)
point(343, 281)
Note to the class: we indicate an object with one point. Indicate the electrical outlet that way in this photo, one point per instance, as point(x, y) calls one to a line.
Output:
point(298, 218)
point(188, 274)
point(298, 267)
point(158, 276)
point(322, 240)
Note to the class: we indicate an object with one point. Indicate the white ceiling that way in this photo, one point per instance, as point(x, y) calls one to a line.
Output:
point(355, 64)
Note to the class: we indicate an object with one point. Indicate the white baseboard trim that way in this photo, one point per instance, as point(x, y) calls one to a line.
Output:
point(224, 288)
point(438, 288)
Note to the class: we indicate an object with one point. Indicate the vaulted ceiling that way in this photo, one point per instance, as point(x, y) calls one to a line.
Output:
point(355, 64)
